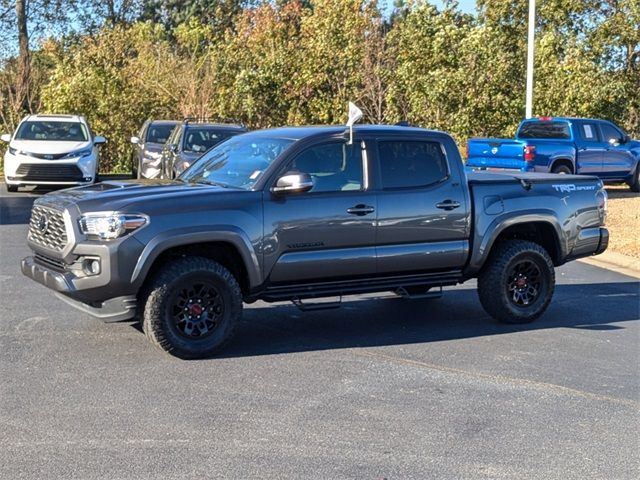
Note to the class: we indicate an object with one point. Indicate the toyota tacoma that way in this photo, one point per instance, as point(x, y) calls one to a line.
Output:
point(305, 213)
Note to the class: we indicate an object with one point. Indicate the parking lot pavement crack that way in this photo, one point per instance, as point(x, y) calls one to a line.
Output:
point(503, 379)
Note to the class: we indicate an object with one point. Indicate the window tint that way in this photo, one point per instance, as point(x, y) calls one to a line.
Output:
point(411, 164)
point(199, 140)
point(609, 133)
point(52, 131)
point(588, 132)
point(334, 167)
point(159, 133)
point(544, 130)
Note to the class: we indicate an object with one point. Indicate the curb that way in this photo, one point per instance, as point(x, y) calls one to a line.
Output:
point(619, 262)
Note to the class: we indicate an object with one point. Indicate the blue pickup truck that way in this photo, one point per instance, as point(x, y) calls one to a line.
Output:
point(562, 145)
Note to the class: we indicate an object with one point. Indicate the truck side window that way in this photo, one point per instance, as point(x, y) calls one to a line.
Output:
point(334, 167)
point(411, 164)
point(588, 132)
point(609, 133)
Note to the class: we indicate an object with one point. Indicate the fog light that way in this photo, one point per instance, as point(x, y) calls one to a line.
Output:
point(91, 267)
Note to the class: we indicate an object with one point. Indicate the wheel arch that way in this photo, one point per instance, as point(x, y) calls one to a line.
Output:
point(563, 161)
point(230, 248)
point(541, 228)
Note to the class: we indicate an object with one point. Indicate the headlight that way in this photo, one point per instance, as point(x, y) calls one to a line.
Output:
point(110, 225)
point(80, 153)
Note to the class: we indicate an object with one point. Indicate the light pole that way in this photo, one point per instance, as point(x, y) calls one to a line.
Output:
point(530, 51)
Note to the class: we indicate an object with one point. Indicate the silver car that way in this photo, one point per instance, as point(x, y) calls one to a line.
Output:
point(148, 145)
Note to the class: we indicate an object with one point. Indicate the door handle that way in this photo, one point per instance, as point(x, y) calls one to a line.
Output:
point(448, 205)
point(360, 210)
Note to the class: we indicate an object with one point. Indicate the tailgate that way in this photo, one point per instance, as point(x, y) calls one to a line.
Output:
point(496, 153)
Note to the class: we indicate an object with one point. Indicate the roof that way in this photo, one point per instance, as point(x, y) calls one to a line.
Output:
point(296, 133)
point(544, 118)
point(221, 126)
point(164, 122)
point(54, 117)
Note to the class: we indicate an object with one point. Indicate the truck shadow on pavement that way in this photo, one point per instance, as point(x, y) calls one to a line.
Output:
point(274, 329)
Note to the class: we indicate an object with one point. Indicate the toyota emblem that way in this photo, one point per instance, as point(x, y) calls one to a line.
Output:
point(43, 224)
point(494, 150)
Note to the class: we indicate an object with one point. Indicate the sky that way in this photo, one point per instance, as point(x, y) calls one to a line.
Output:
point(467, 6)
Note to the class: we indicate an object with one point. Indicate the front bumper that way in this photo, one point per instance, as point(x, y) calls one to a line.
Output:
point(65, 284)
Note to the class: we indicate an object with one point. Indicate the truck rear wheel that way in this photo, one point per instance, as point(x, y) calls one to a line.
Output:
point(517, 282)
point(192, 308)
point(562, 169)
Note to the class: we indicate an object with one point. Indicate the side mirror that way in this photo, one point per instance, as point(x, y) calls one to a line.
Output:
point(99, 140)
point(6, 137)
point(135, 140)
point(173, 147)
point(293, 182)
point(626, 139)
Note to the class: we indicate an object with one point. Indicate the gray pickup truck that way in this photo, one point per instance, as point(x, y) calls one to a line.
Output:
point(304, 213)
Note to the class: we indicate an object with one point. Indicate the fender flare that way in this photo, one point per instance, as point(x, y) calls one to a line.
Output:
point(480, 250)
point(202, 234)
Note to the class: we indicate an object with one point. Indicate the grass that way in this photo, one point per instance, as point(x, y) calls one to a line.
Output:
point(623, 221)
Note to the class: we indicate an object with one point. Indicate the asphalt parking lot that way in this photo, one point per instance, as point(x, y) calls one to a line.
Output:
point(382, 388)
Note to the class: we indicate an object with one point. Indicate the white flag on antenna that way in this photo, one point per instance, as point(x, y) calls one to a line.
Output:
point(355, 114)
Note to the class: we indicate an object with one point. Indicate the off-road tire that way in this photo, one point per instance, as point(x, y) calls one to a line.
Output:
point(160, 325)
point(562, 169)
point(12, 188)
point(497, 276)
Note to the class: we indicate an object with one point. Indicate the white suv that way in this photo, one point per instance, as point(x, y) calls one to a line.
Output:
point(51, 150)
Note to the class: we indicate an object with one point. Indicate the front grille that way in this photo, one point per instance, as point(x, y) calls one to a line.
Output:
point(50, 262)
point(47, 156)
point(46, 228)
point(49, 173)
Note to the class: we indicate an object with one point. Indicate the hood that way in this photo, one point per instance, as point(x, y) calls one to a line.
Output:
point(126, 195)
point(153, 147)
point(48, 147)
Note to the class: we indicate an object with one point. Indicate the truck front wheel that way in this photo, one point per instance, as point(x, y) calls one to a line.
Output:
point(192, 308)
point(517, 282)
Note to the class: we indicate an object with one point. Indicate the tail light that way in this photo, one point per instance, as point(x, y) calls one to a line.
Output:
point(529, 153)
point(545, 119)
point(601, 199)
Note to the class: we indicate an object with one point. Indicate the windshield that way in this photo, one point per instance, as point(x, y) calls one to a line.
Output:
point(52, 131)
point(159, 133)
point(201, 139)
point(238, 162)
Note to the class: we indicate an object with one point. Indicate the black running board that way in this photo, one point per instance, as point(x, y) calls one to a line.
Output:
point(352, 287)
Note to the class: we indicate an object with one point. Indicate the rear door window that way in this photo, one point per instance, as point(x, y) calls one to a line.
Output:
point(588, 132)
point(559, 130)
point(411, 164)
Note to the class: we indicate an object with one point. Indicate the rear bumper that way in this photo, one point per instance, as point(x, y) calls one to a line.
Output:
point(604, 241)
point(591, 241)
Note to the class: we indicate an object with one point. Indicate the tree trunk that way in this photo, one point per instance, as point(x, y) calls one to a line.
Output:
point(24, 62)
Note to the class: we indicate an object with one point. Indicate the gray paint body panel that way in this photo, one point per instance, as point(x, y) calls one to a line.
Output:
point(288, 243)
